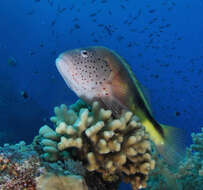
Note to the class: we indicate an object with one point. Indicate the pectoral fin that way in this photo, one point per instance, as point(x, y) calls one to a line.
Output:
point(114, 105)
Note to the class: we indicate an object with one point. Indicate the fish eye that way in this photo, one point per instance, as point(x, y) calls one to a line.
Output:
point(84, 53)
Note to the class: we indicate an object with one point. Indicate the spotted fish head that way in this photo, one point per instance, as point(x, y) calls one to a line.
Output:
point(85, 70)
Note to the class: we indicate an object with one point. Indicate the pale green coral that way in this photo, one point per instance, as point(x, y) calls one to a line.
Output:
point(49, 143)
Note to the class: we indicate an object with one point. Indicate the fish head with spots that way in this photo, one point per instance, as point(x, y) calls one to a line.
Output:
point(88, 72)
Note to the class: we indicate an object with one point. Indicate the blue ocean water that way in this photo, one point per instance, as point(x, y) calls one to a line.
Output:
point(161, 40)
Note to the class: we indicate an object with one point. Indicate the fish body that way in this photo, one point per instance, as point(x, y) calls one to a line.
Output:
point(98, 73)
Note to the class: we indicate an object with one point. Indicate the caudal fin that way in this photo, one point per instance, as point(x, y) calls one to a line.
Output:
point(173, 149)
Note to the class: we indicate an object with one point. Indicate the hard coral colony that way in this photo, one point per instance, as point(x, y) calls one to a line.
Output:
point(112, 147)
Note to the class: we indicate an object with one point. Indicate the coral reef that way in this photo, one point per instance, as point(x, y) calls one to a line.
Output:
point(189, 174)
point(22, 169)
point(113, 147)
point(190, 171)
point(90, 149)
point(19, 165)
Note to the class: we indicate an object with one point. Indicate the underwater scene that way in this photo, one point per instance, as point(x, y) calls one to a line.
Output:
point(101, 95)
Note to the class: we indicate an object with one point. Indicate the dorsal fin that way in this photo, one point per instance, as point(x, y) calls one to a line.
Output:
point(139, 87)
point(146, 97)
point(142, 90)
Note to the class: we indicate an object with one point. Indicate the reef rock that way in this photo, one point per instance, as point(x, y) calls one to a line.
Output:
point(54, 182)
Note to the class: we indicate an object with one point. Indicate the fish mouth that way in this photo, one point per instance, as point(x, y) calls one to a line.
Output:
point(63, 65)
point(60, 62)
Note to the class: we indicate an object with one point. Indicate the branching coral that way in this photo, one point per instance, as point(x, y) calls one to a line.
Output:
point(113, 147)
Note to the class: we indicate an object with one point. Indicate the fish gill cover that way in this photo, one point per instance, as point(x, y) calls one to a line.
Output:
point(161, 41)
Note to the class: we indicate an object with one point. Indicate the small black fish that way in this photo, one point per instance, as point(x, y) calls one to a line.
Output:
point(12, 61)
point(50, 3)
point(30, 12)
point(152, 11)
point(77, 26)
point(61, 10)
point(123, 7)
point(41, 45)
point(24, 94)
point(53, 22)
point(93, 14)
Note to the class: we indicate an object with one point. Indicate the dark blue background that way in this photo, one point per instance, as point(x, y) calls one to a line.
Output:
point(162, 41)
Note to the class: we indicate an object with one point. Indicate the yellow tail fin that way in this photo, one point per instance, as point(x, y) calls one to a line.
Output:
point(173, 149)
point(171, 144)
